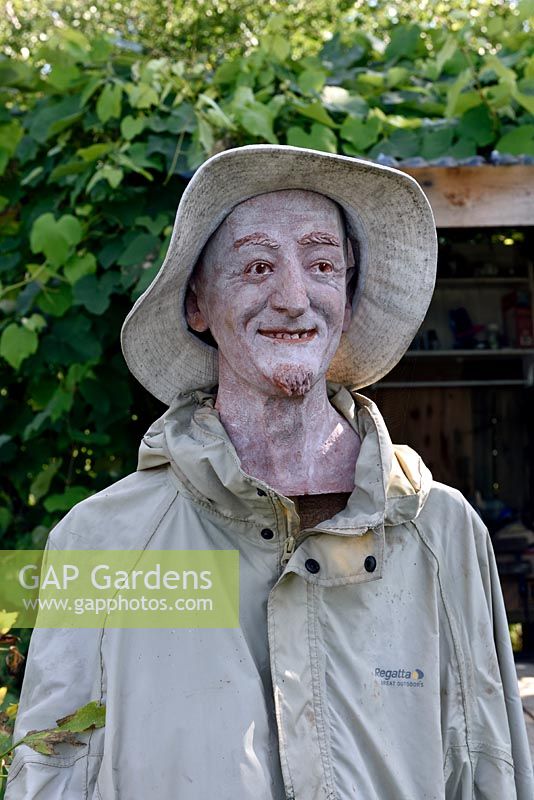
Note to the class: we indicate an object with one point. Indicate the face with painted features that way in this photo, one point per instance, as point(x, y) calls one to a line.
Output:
point(271, 289)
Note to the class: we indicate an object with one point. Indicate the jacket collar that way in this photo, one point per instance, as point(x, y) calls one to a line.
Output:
point(391, 481)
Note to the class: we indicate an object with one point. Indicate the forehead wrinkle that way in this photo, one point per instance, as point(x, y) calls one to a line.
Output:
point(257, 238)
point(319, 237)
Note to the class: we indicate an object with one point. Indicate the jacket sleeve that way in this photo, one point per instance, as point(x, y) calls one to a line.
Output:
point(63, 673)
point(520, 747)
point(486, 752)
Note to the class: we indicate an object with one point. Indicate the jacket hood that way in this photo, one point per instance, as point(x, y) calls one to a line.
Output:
point(391, 481)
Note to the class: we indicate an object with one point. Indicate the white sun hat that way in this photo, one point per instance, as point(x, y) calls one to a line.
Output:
point(386, 213)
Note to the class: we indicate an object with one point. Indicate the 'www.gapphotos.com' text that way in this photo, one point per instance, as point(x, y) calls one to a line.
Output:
point(109, 605)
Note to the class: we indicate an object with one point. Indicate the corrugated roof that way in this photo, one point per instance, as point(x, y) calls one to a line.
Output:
point(495, 159)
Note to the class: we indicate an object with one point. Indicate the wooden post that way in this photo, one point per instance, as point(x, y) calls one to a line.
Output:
point(478, 197)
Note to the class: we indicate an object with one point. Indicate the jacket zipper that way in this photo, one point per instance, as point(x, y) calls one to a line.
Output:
point(291, 542)
point(289, 549)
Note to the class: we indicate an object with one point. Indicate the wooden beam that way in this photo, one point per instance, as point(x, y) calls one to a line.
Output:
point(478, 197)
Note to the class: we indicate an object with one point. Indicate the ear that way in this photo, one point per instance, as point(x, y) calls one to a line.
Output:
point(194, 316)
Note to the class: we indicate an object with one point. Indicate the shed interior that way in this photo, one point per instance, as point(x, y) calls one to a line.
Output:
point(463, 395)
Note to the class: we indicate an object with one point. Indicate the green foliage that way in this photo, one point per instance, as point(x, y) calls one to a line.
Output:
point(86, 718)
point(210, 30)
point(17, 343)
point(97, 141)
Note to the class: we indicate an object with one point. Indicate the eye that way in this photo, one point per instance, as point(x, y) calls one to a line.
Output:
point(259, 268)
point(322, 267)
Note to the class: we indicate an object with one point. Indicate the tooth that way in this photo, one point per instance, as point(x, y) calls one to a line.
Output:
point(279, 335)
point(295, 336)
point(286, 336)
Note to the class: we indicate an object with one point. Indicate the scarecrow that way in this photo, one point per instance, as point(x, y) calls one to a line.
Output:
point(372, 658)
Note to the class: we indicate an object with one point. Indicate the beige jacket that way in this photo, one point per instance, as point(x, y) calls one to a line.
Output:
point(385, 675)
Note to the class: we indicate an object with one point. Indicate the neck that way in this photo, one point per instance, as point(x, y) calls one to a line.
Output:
point(296, 445)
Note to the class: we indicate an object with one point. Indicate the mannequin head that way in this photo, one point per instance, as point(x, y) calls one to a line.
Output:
point(271, 288)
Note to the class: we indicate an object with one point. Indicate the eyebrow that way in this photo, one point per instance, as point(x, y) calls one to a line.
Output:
point(258, 238)
point(319, 237)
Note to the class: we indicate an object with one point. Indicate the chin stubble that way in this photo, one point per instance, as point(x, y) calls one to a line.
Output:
point(293, 380)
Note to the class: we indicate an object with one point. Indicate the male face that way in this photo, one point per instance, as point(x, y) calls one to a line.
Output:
point(271, 288)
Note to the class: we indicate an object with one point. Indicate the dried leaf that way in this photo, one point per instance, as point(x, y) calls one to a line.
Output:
point(44, 741)
point(14, 661)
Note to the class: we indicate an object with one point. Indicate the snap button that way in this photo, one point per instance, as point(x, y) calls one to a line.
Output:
point(370, 563)
point(312, 565)
point(261, 493)
point(267, 533)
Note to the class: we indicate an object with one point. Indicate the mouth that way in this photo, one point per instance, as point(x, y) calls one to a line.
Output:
point(283, 335)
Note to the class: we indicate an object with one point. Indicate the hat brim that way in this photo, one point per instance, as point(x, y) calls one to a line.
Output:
point(386, 211)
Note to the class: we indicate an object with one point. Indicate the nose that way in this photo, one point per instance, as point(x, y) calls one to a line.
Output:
point(290, 295)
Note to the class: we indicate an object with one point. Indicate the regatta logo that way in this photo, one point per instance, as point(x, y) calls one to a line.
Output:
point(400, 677)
